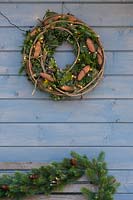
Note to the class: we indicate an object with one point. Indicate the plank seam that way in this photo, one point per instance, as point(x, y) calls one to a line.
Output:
point(66, 100)
point(116, 122)
point(66, 2)
point(106, 50)
point(105, 75)
point(41, 146)
point(66, 146)
point(93, 26)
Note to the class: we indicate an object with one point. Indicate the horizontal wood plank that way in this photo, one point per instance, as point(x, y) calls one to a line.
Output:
point(80, 197)
point(94, 15)
point(116, 157)
point(109, 87)
point(27, 14)
point(53, 197)
point(66, 1)
point(74, 197)
point(113, 38)
point(91, 134)
point(19, 166)
point(116, 62)
point(65, 111)
point(124, 177)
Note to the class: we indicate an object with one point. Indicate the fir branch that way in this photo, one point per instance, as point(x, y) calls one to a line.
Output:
point(97, 174)
point(55, 176)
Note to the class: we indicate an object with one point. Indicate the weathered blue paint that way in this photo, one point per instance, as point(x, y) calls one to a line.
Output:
point(12, 87)
point(34, 128)
point(117, 63)
point(114, 39)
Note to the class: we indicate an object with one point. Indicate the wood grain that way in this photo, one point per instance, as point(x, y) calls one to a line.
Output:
point(74, 197)
point(114, 39)
point(116, 14)
point(117, 63)
point(116, 157)
point(65, 134)
point(64, 111)
point(70, 1)
point(109, 87)
point(25, 14)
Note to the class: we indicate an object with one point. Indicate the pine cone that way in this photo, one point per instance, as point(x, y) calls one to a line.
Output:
point(83, 72)
point(33, 176)
point(37, 49)
point(73, 162)
point(5, 187)
point(90, 45)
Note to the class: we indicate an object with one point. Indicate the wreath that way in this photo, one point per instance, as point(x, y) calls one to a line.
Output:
point(38, 56)
point(49, 178)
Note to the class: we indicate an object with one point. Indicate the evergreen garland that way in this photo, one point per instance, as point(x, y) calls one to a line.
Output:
point(38, 56)
point(55, 176)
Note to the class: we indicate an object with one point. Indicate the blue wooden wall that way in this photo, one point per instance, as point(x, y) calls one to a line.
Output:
point(35, 128)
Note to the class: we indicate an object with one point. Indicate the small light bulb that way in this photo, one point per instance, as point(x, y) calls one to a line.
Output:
point(50, 88)
point(41, 38)
point(25, 58)
point(73, 76)
point(53, 181)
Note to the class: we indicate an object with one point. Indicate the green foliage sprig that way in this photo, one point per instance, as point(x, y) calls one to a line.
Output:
point(38, 56)
point(55, 176)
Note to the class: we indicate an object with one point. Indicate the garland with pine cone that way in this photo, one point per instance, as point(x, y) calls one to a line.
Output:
point(54, 176)
point(38, 56)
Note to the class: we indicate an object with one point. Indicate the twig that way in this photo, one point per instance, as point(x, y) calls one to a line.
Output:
point(11, 22)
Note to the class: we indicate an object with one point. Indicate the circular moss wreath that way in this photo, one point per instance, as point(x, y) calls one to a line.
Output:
point(40, 45)
point(47, 179)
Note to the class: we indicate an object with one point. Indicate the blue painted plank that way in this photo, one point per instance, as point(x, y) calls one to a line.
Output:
point(113, 38)
point(70, 1)
point(91, 134)
point(65, 111)
point(116, 62)
point(116, 38)
point(27, 14)
point(94, 15)
point(76, 197)
point(119, 63)
point(117, 157)
point(109, 87)
point(126, 180)
point(10, 65)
